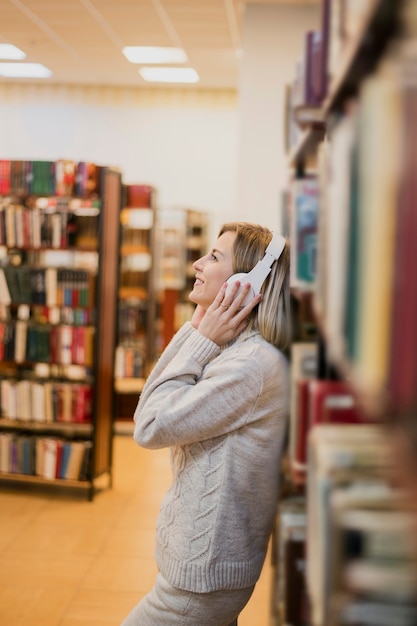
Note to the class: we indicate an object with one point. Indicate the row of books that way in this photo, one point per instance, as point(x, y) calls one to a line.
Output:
point(301, 204)
point(61, 178)
point(341, 23)
point(46, 457)
point(42, 314)
point(51, 286)
point(361, 566)
point(325, 49)
point(367, 234)
point(315, 401)
point(24, 227)
point(290, 604)
point(23, 341)
point(130, 360)
point(46, 402)
point(132, 319)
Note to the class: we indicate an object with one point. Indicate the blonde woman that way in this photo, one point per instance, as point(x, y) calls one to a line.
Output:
point(218, 398)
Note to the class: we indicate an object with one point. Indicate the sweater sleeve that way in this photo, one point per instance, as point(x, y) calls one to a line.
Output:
point(197, 396)
point(170, 351)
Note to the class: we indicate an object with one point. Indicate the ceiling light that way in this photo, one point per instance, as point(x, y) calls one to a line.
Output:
point(9, 51)
point(169, 74)
point(24, 70)
point(154, 54)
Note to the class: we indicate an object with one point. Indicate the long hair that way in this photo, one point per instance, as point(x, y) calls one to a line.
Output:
point(272, 316)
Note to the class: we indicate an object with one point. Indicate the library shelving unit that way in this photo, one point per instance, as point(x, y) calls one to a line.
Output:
point(352, 204)
point(137, 301)
point(182, 239)
point(196, 244)
point(59, 242)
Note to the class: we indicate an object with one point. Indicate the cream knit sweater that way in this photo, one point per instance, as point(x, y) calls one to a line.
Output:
point(223, 412)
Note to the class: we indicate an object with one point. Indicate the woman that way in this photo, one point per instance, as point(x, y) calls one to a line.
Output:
point(218, 397)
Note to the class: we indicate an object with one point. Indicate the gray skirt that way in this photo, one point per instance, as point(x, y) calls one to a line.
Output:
point(166, 605)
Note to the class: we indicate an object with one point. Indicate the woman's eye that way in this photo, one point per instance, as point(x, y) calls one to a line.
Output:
point(213, 256)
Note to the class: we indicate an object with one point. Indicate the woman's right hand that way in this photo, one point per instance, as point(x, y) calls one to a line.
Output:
point(227, 316)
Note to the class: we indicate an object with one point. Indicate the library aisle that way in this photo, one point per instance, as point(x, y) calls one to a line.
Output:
point(65, 561)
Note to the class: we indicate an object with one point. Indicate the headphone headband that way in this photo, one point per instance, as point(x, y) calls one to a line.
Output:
point(256, 277)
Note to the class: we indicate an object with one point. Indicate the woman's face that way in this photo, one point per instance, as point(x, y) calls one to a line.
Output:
point(212, 270)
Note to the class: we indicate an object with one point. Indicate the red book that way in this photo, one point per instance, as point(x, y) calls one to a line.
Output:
point(299, 464)
point(332, 401)
point(82, 402)
point(59, 447)
point(139, 196)
point(5, 169)
point(403, 363)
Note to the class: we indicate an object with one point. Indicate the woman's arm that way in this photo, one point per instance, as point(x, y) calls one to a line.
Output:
point(198, 397)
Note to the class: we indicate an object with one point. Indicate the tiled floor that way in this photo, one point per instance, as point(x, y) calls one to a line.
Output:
point(65, 561)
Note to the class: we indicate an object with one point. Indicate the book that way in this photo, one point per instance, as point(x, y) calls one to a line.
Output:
point(313, 47)
point(49, 460)
point(65, 454)
point(304, 215)
point(378, 222)
point(24, 400)
point(38, 401)
point(75, 460)
point(338, 455)
point(12, 282)
point(5, 439)
point(403, 331)
point(303, 367)
point(321, 82)
point(20, 346)
point(337, 232)
point(5, 297)
point(333, 401)
point(291, 557)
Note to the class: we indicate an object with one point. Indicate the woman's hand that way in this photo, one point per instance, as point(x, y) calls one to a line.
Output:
point(226, 317)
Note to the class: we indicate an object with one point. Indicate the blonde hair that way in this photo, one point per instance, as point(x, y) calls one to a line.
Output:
point(272, 316)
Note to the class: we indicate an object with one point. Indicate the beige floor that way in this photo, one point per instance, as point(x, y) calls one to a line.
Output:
point(65, 561)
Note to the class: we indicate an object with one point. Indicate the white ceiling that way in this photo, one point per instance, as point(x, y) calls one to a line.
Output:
point(81, 41)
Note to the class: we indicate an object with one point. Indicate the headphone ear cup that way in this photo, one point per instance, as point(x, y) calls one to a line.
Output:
point(242, 278)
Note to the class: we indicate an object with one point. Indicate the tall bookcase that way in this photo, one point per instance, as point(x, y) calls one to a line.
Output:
point(59, 236)
point(137, 297)
point(182, 239)
point(351, 208)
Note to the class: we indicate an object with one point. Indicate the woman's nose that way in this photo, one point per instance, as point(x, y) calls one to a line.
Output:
point(199, 263)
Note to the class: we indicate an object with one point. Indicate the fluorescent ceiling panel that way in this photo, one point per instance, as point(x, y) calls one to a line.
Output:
point(24, 70)
point(152, 54)
point(11, 52)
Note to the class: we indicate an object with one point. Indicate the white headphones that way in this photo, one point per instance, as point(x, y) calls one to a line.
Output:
point(258, 274)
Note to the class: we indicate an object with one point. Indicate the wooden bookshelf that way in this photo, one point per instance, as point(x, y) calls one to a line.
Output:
point(182, 239)
point(342, 466)
point(380, 23)
point(56, 381)
point(137, 301)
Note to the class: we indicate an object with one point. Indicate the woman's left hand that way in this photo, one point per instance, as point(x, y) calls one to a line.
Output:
point(226, 317)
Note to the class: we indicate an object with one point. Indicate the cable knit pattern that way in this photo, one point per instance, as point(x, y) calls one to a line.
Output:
point(223, 413)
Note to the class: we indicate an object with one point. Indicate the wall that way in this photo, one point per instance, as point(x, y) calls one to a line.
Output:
point(184, 143)
point(211, 150)
point(273, 41)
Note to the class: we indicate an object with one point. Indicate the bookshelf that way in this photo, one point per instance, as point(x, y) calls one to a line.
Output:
point(346, 487)
point(182, 239)
point(59, 241)
point(196, 245)
point(137, 297)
